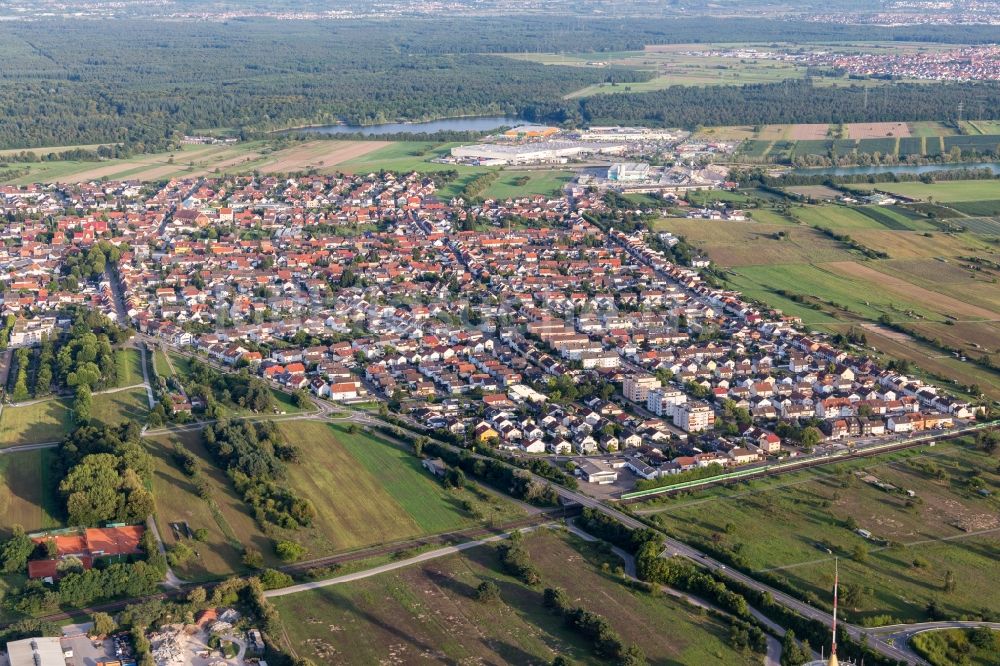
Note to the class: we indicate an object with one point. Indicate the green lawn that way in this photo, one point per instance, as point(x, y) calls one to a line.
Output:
point(45, 421)
point(160, 364)
point(947, 526)
point(28, 493)
point(959, 646)
point(50, 419)
point(547, 182)
point(111, 408)
point(426, 612)
point(129, 363)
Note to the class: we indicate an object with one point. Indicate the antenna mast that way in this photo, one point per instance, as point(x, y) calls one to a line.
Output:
point(836, 584)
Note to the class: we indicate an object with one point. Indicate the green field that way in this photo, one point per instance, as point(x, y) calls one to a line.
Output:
point(50, 419)
point(835, 217)
point(160, 364)
point(818, 281)
point(944, 191)
point(366, 491)
point(548, 182)
point(401, 500)
point(129, 363)
point(426, 613)
point(28, 493)
point(684, 65)
point(929, 281)
point(408, 156)
point(947, 526)
point(111, 408)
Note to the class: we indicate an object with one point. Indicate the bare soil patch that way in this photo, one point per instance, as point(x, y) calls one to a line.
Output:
point(876, 130)
point(808, 132)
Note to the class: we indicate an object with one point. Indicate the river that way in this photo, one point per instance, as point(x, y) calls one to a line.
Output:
point(465, 124)
point(908, 168)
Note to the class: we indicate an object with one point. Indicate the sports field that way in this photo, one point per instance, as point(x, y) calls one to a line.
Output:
point(946, 526)
point(426, 613)
point(27, 491)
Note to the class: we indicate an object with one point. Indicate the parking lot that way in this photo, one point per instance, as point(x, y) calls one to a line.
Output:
point(87, 652)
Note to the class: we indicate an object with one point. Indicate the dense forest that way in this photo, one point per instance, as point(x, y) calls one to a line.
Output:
point(142, 83)
point(788, 102)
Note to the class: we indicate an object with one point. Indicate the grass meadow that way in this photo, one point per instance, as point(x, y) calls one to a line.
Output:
point(366, 491)
point(946, 526)
point(426, 613)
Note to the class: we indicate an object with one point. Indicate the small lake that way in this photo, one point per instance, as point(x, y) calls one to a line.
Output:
point(909, 168)
point(468, 124)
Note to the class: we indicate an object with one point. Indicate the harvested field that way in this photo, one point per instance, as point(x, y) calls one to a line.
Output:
point(876, 130)
point(953, 278)
point(815, 191)
point(808, 132)
point(975, 338)
point(320, 154)
point(931, 360)
point(731, 133)
point(741, 244)
point(910, 292)
point(910, 245)
point(774, 132)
